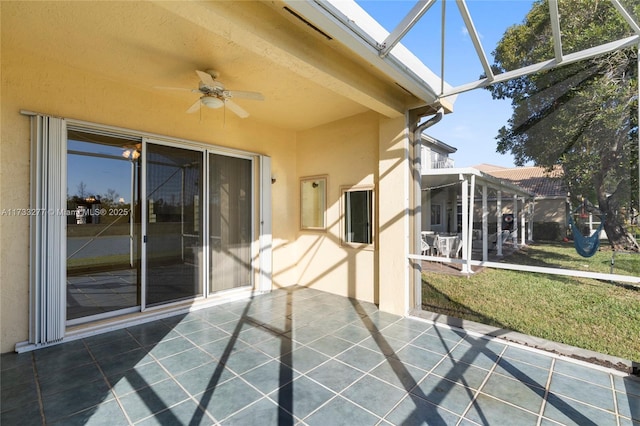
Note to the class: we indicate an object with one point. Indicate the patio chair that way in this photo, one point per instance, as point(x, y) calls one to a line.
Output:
point(458, 247)
point(425, 247)
point(446, 246)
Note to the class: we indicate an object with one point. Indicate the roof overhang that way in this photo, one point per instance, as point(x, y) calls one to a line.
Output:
point(349, 24)
point(436, 178)
point(430, 140)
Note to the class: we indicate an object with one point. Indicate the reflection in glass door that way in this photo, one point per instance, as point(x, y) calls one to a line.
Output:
point(102, 225)
point(230, 218)
point(173, 224)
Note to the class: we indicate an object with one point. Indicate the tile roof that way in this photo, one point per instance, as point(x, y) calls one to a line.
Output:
point(533, 179)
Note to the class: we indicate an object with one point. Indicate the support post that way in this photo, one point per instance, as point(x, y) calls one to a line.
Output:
point(465, 219)
point(469, 240)
point(532, 215)
point(499, 224)
point(523, 223)
point(514, 238)
point(485, 225)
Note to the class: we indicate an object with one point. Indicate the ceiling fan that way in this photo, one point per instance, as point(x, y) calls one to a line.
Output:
point(214, 95)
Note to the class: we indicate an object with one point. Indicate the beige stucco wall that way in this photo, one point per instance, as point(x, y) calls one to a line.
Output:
point(366, 149)
point(545, 210)
point(393, 221)
point(346, 152)
point(551, 210)
point(53, 88)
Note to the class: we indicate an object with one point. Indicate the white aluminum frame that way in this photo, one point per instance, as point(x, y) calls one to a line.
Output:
point(43, 332)
point(343, 22)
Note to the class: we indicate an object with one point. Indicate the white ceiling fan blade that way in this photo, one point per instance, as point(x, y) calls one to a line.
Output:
point(195, 107)
point(205, 78)
point(243, 95)
point(237, 109)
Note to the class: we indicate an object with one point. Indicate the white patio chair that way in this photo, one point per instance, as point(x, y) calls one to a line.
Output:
point(425, 247)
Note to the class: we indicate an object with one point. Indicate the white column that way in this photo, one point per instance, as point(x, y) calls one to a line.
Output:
point(469, 240)
point(485, 225)
point(499, 223)
point(465, 219)
point(515, 221)
point(523, 224)
point(532, 215)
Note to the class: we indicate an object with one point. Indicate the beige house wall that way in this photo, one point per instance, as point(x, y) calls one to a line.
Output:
point(361, 151)
point(346, 152)
point(551, 210)
point(394, 221)
point(546, 210)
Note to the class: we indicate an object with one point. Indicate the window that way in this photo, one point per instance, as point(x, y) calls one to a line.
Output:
point(313, 196)
point(357, 204)
point(436, 215)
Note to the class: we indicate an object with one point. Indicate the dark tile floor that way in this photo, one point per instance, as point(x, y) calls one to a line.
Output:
point(301, 356)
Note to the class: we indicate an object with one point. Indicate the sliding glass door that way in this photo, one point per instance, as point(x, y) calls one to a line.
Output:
point(174, 218)
point(133, 223)
point(102, 225)
point(104, 234)
point(230, 222)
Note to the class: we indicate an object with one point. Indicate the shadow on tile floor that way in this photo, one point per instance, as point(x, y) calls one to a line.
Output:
point(301, 356)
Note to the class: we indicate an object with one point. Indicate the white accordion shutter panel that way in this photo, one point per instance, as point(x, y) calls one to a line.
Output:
point(48, 229)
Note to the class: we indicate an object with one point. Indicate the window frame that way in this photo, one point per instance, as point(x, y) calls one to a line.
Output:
point(437, 209)
point(319, 210)
point(344, 190)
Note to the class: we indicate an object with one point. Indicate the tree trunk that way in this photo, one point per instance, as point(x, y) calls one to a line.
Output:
point(619, 238)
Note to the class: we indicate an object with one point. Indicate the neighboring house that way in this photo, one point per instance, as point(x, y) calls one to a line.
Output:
point(466, 204)
point(434, 155)
point(551, 208)
point(309, 186)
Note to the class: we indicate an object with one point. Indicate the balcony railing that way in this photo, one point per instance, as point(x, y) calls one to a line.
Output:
point(447, 163)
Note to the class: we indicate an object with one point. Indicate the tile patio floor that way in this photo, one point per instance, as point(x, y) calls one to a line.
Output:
point(301, 356)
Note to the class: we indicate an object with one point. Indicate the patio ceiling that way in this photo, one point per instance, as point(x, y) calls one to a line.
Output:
point(307, 78)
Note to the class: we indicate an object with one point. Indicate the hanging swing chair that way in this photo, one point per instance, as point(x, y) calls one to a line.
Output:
point(585, 246)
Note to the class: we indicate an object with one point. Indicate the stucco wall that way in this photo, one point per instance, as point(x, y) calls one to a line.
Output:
point(366, 149)
point(32, 83)
point(346, 152)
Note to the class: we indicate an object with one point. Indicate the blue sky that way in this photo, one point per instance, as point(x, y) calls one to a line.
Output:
point(473, 126)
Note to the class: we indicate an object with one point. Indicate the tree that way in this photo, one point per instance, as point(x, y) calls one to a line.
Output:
point(82, 190)
point(581, 116)
point(110, 197)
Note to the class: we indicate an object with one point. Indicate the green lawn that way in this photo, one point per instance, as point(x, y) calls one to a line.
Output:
point(591, 314)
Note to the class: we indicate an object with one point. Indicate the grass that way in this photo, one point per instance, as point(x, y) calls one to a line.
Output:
point(563, 255)
point(591, 314)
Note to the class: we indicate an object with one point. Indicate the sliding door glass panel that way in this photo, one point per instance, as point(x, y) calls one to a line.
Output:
point(174, 224)
point(230, 230)
point(103, 225)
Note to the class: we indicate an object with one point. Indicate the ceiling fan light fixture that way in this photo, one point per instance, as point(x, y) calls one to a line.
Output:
point(212, 102)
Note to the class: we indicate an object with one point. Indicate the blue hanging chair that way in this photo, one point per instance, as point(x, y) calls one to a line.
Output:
point(586, 246)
